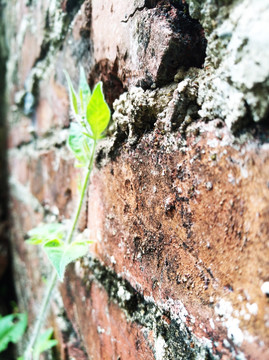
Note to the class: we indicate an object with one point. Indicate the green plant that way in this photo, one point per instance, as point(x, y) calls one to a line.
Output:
point(43, 343)
point(12, 327)
point(92, 116)
point(60, 253)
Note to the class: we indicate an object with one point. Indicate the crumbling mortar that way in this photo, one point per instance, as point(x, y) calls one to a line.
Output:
point(227, 89)
point(166, 110)
point(52, 140)
point(195, 102)
point(178, 342)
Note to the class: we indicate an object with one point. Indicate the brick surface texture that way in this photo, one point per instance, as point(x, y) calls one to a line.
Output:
point(178, 202)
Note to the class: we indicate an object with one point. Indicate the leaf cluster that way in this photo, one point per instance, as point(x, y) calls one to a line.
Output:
point(92, 114)
point(59, 253)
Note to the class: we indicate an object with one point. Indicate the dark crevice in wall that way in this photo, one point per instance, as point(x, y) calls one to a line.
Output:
point(107, 72)
point(3, 161)
point(71, 5)
point(85, 29)
point(71, 339)
point(180, 342)
point(258, 130)
point(7, 292)
point(112, 151)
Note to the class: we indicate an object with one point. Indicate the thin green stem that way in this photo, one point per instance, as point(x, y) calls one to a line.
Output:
point(83, 191)
point(28, 355)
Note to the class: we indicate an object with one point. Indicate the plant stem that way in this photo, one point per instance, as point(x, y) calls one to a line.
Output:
point(83, 191)
point(53, 280)
point(41, 317)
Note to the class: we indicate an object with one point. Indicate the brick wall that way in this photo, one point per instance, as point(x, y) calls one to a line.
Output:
point(178, 200)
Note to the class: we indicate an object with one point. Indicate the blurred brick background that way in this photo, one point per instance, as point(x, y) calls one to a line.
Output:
point(178, 203)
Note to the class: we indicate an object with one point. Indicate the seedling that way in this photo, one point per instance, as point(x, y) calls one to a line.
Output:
point(92, 115)
point(60, 253)
point(44, 343)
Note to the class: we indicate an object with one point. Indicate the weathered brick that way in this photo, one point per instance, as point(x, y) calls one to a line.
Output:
point(180, 215)
point(53, 107)
point(20, 132)
point(107, 333)
point(156, 38)
point(50, 179)
point(158, 224)
point(19, 166)
point(30, 50)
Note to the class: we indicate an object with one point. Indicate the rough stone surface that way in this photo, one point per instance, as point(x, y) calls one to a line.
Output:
point(156, 39)
point(159, 238)
point(235, 84)
point(178, 201)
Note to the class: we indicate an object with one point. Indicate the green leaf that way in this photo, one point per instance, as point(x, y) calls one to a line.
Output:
point(72, 95)
point(84, 90)
point(55, 249)
point(61, 254)
point(46, 232)
point(77, 143)
point(12, 327)
point(43, 343)
point(73, 252)
point(98, 113)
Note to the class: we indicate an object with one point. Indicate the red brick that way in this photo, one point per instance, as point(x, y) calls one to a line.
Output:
point(51, 178)
point(53, 107)
point(29, 53)
point(19, 166)
point(206, 243)
point(148, 37)
point(106, 333)
point(20, 132)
